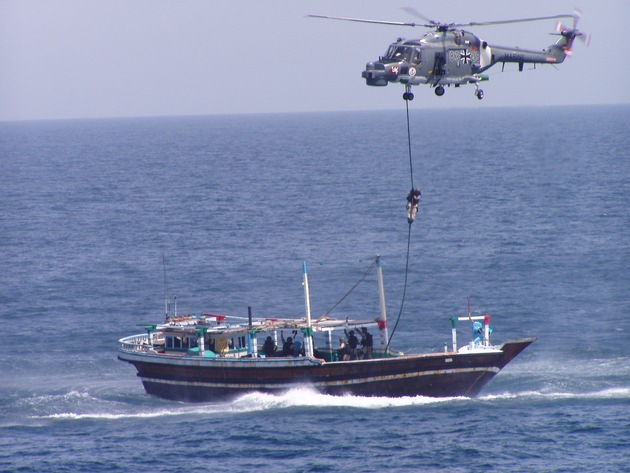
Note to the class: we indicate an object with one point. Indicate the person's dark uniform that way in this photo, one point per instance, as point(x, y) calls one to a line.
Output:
point(269, 347)
point(288, 348)
point(366, 344)
point(353, 341)
point(413, 199)
point(342, 351)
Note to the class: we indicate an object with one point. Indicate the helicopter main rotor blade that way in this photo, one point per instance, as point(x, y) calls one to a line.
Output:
point(506, 22)
point(361, 20)
point(412, 11)
point(433, 23)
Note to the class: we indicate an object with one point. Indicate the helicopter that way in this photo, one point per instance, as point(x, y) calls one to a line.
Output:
point(448, 55)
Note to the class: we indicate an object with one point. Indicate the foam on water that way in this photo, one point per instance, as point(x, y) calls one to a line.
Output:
point(245, 404)
point(609, 393)
point(294, 398)
point(305, 397)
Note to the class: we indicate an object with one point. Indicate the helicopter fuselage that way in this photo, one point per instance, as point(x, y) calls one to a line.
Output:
point(452, 57)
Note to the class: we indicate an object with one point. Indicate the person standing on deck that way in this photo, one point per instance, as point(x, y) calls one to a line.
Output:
point(366, 344)
point(288, 347)
point(353, 341)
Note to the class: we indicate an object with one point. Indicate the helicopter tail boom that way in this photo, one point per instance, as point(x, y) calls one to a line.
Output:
point(554, 54)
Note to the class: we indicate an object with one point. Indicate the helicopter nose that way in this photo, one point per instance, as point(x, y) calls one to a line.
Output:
point(375, 74)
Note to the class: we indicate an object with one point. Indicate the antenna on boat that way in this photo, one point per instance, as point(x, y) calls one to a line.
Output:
point(308, 337)
point(165, 287)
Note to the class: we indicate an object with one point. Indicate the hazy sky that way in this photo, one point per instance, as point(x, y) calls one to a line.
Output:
point(118, 58)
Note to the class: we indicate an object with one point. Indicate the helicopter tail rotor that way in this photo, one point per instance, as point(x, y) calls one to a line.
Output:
point(573, 33)
point(584, 37)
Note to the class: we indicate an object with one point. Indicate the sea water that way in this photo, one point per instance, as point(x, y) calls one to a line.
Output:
point(525, 211)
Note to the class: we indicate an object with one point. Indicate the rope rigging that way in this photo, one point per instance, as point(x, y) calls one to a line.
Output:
point(361, 279)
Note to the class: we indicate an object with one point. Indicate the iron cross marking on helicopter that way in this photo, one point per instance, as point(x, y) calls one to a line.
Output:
point(449, 55)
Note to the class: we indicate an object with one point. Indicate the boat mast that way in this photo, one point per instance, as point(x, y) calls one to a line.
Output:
point(308, 338)
point(381, 297)
point(165, 288)
point(251, 335)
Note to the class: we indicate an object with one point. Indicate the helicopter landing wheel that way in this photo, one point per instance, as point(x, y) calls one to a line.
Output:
point(479, 94)
point(408, 96)
point(439, 91)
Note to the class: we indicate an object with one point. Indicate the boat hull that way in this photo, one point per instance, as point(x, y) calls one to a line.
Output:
point(197, 379)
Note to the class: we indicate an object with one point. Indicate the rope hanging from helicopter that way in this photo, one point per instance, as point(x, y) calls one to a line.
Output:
point(413, 200)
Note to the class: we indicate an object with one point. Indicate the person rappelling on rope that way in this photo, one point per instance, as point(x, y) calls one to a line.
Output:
point(413, 199)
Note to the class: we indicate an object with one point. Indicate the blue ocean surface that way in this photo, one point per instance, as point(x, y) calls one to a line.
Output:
point(525, 210)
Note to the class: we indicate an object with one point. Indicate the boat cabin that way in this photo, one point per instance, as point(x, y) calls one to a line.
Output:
point(213, 336)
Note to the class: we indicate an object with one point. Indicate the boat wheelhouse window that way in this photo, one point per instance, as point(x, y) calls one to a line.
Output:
point(175, 342)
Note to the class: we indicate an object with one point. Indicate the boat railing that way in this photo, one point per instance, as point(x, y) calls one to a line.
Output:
point(138, 343)
point(332, 354)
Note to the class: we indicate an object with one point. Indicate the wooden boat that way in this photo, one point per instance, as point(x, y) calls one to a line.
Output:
point(212, 357)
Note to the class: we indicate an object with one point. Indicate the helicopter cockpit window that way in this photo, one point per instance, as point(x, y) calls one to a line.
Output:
point(390, 51)
point(399, 53)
